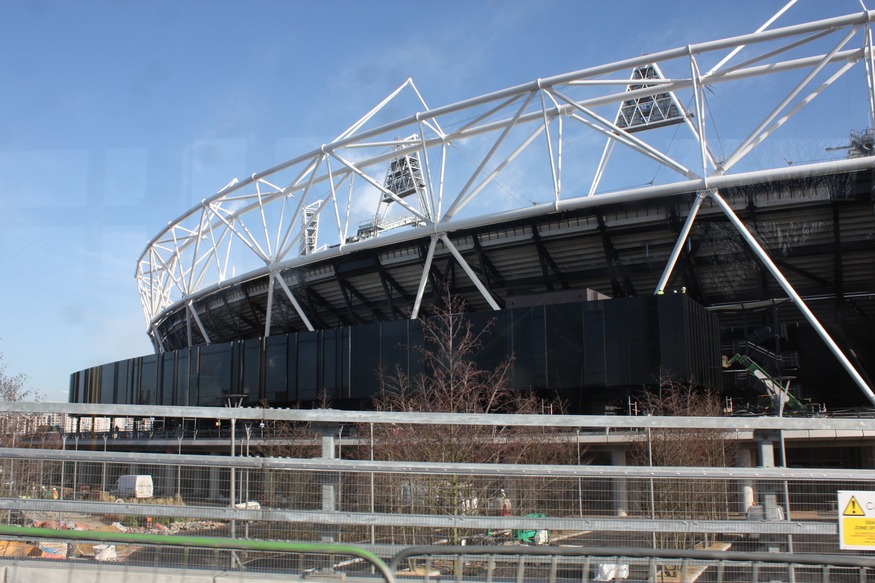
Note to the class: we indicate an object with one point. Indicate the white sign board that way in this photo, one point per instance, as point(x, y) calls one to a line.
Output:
point(857, 520)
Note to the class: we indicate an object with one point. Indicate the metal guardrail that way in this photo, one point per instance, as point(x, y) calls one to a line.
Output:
point(492, 419)
point(653, 564)
point(189, 542)
point(523, 562)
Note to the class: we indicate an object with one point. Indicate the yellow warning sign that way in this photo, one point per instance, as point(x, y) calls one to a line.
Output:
point(856, 515)
point(859, 532)
point(853, 508)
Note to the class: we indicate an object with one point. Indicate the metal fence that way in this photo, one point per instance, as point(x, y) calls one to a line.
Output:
point(407, 503)
point(540, 490)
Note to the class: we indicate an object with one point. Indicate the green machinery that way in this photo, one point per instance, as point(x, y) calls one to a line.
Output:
point(779, 394)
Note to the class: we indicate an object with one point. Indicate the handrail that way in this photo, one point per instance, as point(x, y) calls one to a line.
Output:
point(642, 553)
point(203, 542)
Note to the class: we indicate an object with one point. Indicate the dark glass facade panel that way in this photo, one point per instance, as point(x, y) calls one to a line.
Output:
point(492, 343)
point(594, 344)
point(518, 342)
point(251, 370)
point(214, 375)
point(148, 381)
point(184, 386)
point(125, 379)
point(108, 383)
point(586, 352)
point(168, 373)
point(275, 369)
point(308, 366)
point(564, 340)
point(365, 360)
point(394, 346)
point(539, 348)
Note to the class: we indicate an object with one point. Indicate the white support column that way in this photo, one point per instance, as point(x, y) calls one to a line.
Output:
point(474, 279)
point(200, 325)
point(679, 244)
point(782, 281)
point(269, 307)
point(620, 485)
point(745, 487)
point(424, 277)
point(295, 303)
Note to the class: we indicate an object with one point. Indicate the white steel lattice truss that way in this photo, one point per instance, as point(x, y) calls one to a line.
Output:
point(471, 155)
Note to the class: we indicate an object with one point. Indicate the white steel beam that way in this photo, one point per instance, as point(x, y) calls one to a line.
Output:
point(423, 278)
point(788, 289)
point(474, 279)
point(294, 301)
point(200, 325)
point(746, 144)
point(269, 308)
point(679, 244)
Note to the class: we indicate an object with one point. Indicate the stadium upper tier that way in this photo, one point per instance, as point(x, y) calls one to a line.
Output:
point(522, 192)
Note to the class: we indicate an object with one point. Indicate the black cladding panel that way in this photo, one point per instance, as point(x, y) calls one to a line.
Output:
point(584, 351)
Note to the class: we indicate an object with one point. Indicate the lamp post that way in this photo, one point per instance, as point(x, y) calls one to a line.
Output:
point(180, 433)
point(103, 467)
point(248, 438)
point(233, 400)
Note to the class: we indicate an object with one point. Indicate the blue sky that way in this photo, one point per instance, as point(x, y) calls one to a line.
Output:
point(117, 116)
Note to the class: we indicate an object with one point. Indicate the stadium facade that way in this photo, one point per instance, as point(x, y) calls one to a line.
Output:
point(269, 292)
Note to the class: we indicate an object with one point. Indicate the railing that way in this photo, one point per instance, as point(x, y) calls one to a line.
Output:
point(395, 504)
point(606, 563)
point(384, 507)
point(179, 552)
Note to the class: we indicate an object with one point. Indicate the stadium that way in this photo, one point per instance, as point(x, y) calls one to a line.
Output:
point(604, 225)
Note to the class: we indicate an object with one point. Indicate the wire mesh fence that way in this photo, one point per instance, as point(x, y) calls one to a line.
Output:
point(383, 503)
point(180, 558)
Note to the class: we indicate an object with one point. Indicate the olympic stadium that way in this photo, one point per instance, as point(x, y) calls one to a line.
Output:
point(603, 224)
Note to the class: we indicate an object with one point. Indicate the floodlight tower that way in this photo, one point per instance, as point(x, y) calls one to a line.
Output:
point(403, 179)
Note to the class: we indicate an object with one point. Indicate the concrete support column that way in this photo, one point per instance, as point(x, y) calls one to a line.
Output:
point(766, 449)
point(329, 432)
point(745, 487)
point(620, 486)
point(768, 491)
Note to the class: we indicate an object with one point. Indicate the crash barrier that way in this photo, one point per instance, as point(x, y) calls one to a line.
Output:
point(552, 564)
point(180, 553)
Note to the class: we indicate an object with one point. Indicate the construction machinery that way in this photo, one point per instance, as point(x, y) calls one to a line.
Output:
point(779, 394)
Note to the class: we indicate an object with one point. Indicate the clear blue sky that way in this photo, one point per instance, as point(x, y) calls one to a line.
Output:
point(117, 116)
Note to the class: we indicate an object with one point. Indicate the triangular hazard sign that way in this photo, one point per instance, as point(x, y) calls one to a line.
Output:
point(853, 508)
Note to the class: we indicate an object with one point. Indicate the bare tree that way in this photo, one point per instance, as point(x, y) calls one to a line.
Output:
point(452, 382)
point(688, 447)
point(288, 439)
point(19, 477)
